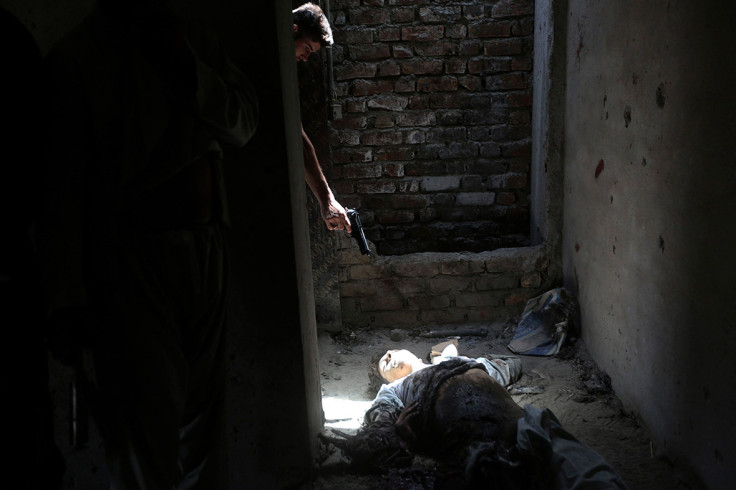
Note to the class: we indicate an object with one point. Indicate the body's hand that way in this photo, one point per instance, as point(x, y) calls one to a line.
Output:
point(335, 216)
point(404, 424)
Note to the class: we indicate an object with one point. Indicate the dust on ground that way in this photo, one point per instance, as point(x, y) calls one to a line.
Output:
point(570, 384)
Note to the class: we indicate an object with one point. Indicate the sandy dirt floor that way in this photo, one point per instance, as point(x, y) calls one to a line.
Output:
point(570, 384)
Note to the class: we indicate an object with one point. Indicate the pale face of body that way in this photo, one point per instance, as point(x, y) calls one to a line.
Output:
point(396, 364)
point(304, 46)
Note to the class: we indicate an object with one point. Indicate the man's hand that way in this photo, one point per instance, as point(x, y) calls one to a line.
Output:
point(335, 216)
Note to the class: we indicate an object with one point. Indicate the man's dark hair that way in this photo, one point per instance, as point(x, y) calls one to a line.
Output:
point(313, 24)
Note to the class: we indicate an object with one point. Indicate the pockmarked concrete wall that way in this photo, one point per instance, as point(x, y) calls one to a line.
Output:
point(650, 177)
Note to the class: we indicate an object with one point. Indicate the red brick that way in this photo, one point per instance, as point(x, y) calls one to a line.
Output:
point(415, 269)
point(470, 82)
point(507, 81)
point(486, 65)
point(366, 271)
point(437, 84)
point(383, 120)
point(421, 67)
point(520, 99)
point(531, 280)
point(353, 36)
point(461, 267)
point(382, 303)
point(350, 122)
point(348, 155)
point(516, 299)
point(521, 63)
point(412, 201)
point(400, 51)
point(517, 149)
point(449, 101)
point(404, 15)
point(389, 34)
point(403, 285)
point(502, 47)
point(361, 171)
point(370, 17)
point(512, 8)
point(497, 281)
point(367, 87)
point(394, 170)
point(395, 217)
point(505, 198)
point(355, 70)
point(355, 106)
point(456, 31)
point(389, 69)
point(416, 119)
point(394, 154)
point(422, 33)
point(419, 102)
point(448, 315)
point(455, 66)
point(405, 84)
point(450, 283)
point(436, 49)
point(475, 299)
point(473, 12)
point(490, 150)
point(376, 188)
point(427, 302)
point(470, 48)
point(357, 288)
point(490, 28)
point(370, 52)
point(388, 102)
point(440, 13)
point(373, 138)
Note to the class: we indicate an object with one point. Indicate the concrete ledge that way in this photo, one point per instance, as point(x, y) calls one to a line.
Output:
point(434, 288)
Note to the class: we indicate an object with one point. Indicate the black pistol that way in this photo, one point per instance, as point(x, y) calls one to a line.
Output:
point(357, 233)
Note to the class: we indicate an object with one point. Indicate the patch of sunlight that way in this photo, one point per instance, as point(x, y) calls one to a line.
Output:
point(342, 413)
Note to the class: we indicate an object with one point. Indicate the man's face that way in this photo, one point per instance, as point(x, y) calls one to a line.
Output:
point(304, 46)
point(396, 364)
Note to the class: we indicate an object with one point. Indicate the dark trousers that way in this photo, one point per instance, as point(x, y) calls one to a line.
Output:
point(160, 360)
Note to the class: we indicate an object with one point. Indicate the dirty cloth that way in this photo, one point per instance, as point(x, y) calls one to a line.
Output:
point(545, 456)
point(544, 324)
point(405, 391)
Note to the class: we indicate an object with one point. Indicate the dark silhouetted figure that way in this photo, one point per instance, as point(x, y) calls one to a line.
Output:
point(134, 255)
point(34, 462)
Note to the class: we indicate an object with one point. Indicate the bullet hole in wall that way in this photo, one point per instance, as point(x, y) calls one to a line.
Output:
point(660, 96)
point(599, 168)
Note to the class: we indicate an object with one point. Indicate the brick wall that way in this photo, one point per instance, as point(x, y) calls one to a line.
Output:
point(432, 288)
point(433, 146)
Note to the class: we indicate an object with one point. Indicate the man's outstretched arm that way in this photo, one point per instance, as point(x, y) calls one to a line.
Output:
point(332, 211)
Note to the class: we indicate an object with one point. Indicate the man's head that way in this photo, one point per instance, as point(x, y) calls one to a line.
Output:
point(396, 364)
point(311, 30)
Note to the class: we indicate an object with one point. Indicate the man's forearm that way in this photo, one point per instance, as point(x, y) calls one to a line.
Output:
point(313, 173)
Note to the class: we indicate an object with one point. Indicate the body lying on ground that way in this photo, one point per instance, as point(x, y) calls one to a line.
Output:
point(459, 413)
